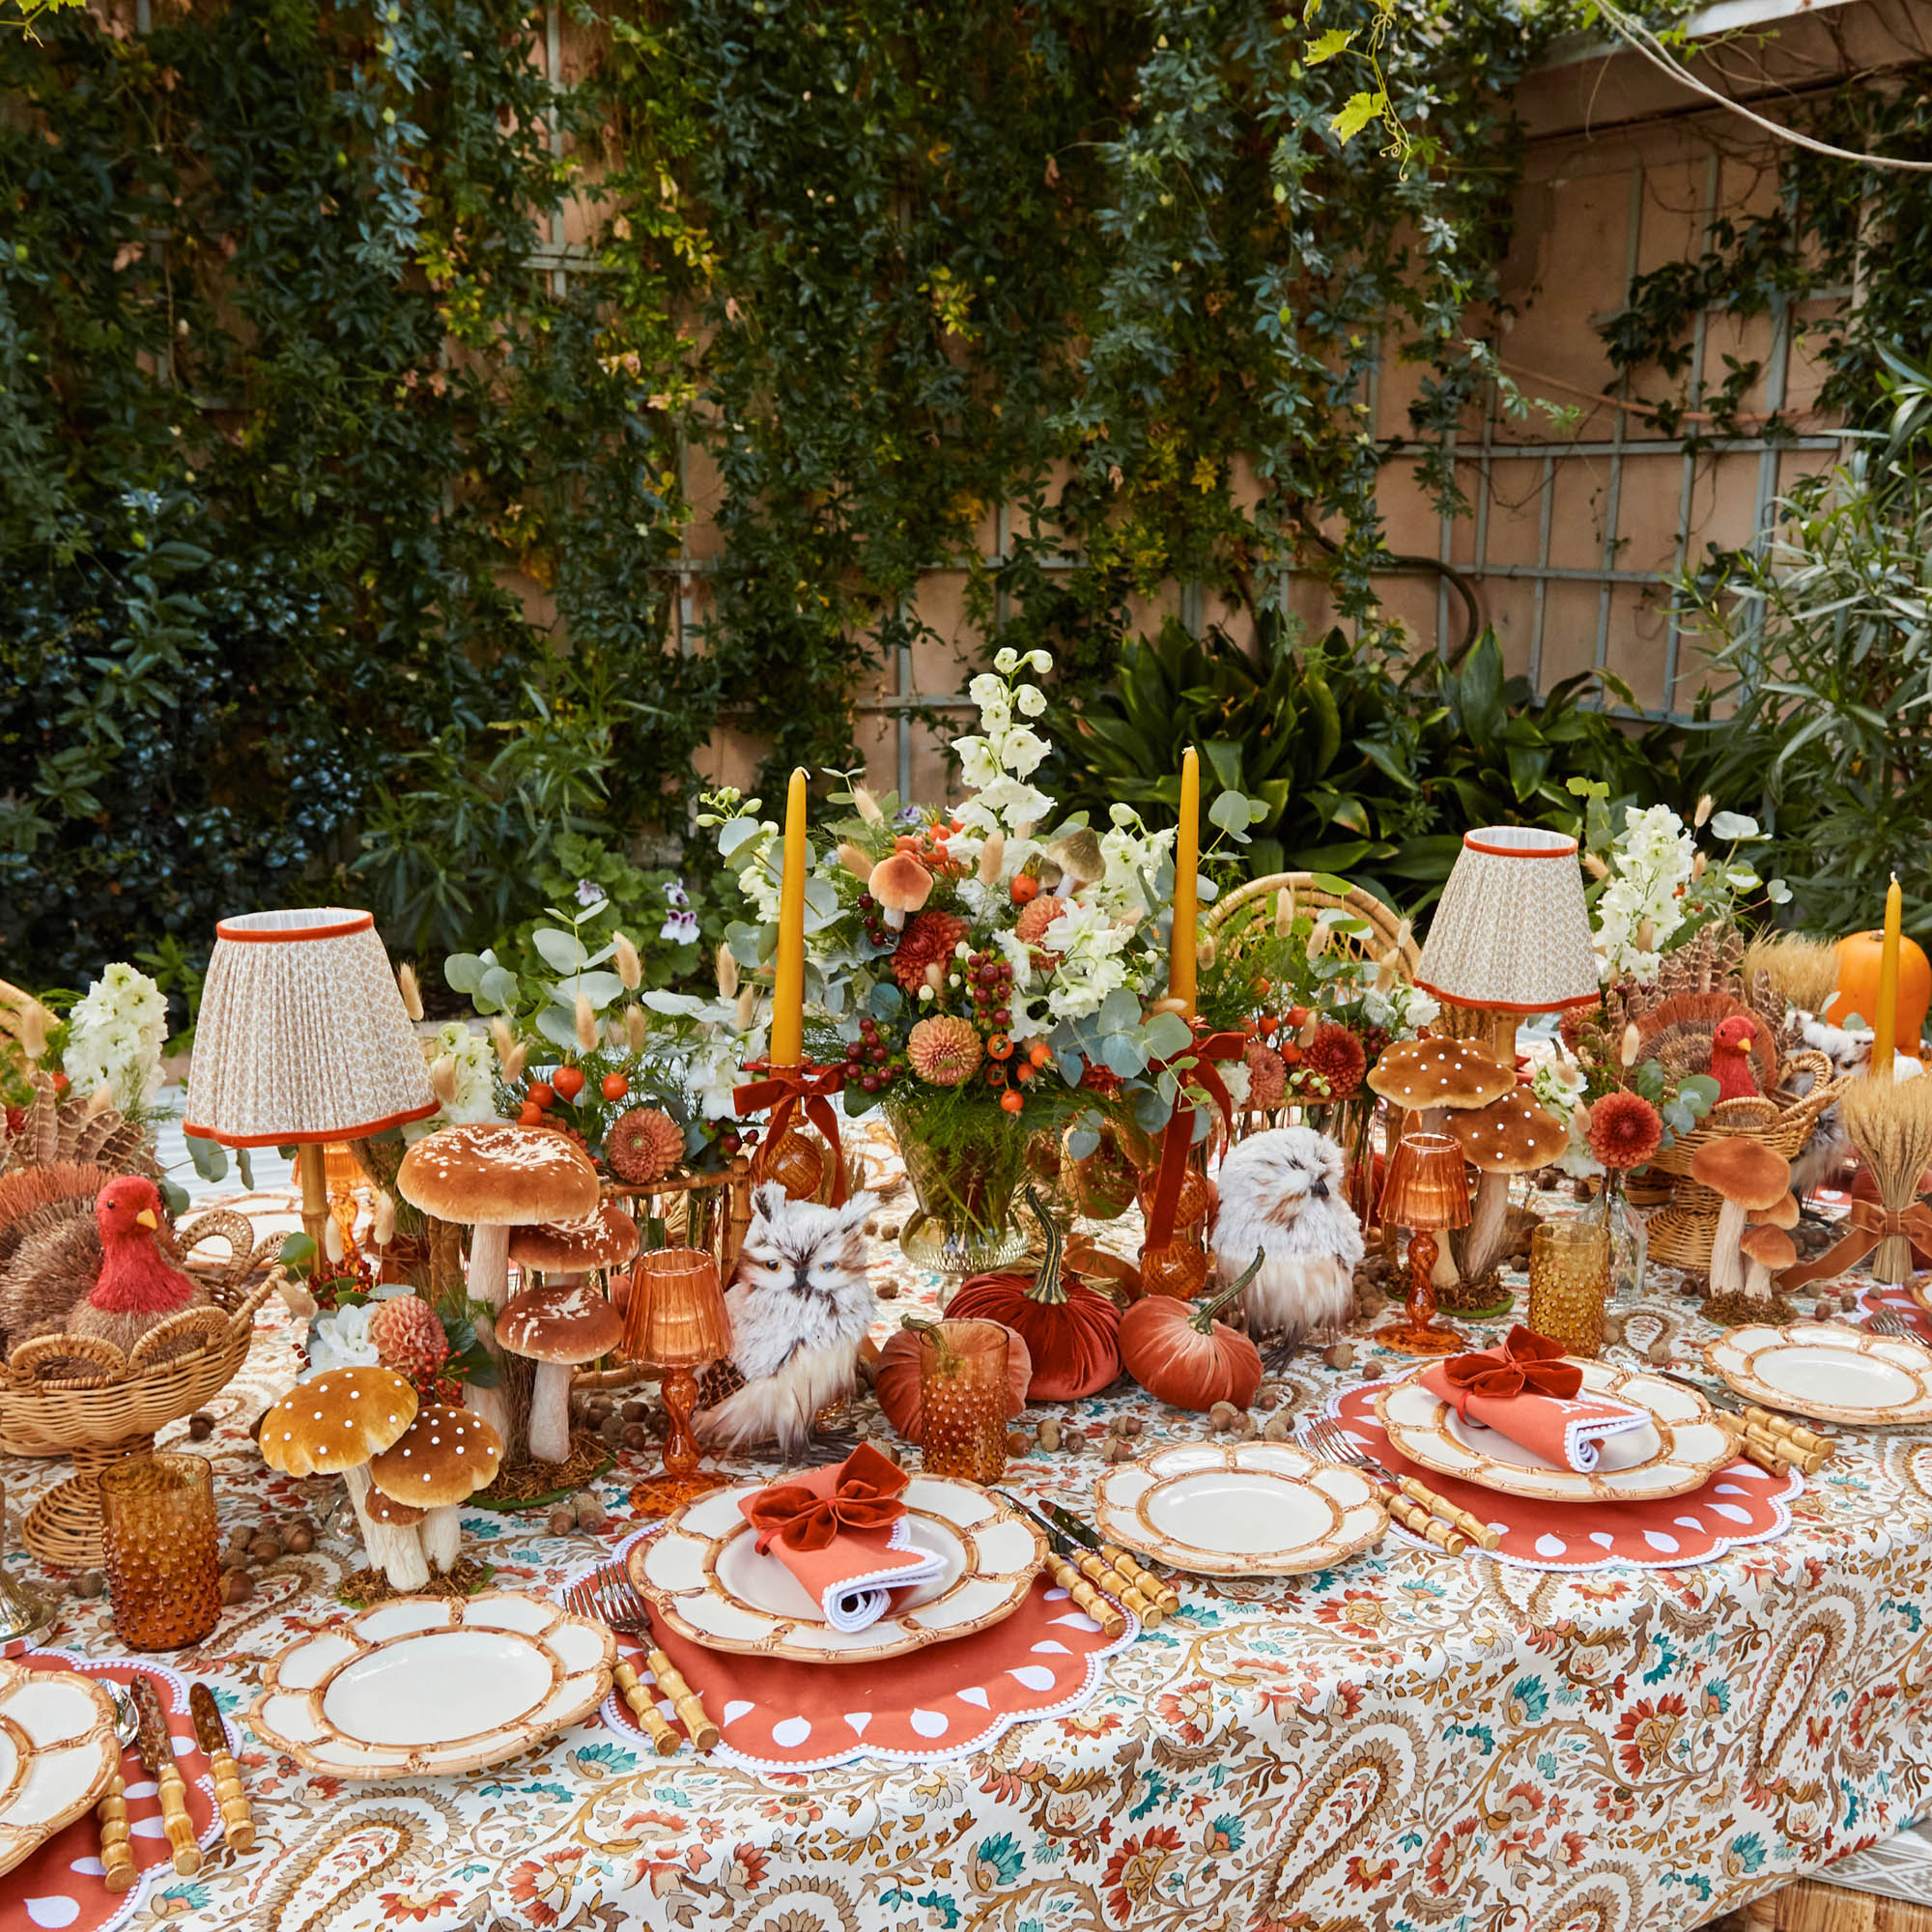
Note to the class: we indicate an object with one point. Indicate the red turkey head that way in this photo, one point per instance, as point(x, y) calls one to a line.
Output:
point(127, 1206)
point(1734, 1034)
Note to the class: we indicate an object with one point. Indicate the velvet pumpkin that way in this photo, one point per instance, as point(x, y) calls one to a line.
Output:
point(1185, 1356)
point(1071, 1328)
point(1859, 955)
point(896, 1378)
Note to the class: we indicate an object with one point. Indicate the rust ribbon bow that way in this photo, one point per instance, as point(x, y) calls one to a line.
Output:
point(1177, 1136)
point(1869, 1225)
point(786, 1090)
point(866, 1497)
point(1526, 1364)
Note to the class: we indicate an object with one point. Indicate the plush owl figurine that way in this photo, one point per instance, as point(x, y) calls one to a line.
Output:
point(1281, 1193)
point(799, 1303)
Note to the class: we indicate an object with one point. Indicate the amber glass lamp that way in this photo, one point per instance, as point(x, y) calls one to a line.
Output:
point(1427, 1190)
point(675, 1321)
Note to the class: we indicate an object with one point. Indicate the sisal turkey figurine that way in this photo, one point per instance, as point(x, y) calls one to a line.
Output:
point(799, 1303)
point(1281, 1195)
point(108, 1279)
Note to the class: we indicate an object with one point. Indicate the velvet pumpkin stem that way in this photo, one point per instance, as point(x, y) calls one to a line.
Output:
point(1202, 1321)
point(1049, 1284)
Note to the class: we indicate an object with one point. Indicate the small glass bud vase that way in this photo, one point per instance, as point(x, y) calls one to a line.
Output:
point(1569, 1284)
point(158, 1535)
point(963, 1392)
point(1630, 1239)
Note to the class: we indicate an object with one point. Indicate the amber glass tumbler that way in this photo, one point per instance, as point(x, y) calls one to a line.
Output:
point(163, 1567)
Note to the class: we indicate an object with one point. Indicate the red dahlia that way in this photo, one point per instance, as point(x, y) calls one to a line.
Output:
point(929, 937)
point(1625, 1130)
point(1338, 1058)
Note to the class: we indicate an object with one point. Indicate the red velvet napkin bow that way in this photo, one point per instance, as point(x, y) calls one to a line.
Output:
point(867, 1497)
point(1526, 1364)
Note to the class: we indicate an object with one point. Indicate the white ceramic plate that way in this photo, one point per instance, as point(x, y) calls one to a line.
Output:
point(704, 1573)
point(419, 1686)
point(57, 1753)
point(1676, 1452)
point(1261, 1509)
point(1831, 1374)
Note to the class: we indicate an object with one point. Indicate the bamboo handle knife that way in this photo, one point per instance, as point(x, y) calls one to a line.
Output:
point(644, 1708)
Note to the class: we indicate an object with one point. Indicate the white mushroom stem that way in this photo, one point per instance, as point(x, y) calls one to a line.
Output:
point(1726, 1262)
point(489, 1282)
point(1758, 1280)
point(549, 1414)
point(357, 1482)
point(398, 1554)
point(443, 1535)
point(1485, 1238)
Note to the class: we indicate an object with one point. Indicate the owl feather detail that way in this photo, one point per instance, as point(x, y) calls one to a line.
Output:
point(1281, 1194)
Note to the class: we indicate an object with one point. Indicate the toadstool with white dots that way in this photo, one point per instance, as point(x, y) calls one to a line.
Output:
point(446, 1455)
point(1515, 1134)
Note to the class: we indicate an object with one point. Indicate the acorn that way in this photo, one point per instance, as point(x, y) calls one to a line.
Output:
point(888, 1291)
point(1132, 1425)
point(562, 1520)
point(635, 1412)
point(612, 1430)
point(1340, 1355)
point(200, 1426)
point(1072, 1443)
point(1224, 1416)
point(298, 1538)
point(1659, 1353)
point(238, 1587)
point(1018, 1442)
point(1117, 1450)
point(88, 1583)
point(266, 1547)
point(1047, 1435)
point(240, 1538)
point(1278, 1429)
point(637, 1437)
point(590, 1513)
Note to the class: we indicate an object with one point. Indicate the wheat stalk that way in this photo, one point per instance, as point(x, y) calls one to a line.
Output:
point(1889, 1123)
point(1803, 971)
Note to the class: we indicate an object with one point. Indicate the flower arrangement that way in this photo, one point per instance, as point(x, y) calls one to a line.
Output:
point(360, 1322)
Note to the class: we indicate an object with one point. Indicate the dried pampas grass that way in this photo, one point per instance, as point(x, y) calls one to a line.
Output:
point(1801, 969)
point(1889, 1123)
point(406, 984)
point(587, 1023)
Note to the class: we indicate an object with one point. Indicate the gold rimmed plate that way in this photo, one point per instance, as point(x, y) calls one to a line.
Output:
point(1259, 1509)
point(57, 1753)
point(421, 1686)
point(1827, 1373)
point(1681, 1444)
point(703, 1574)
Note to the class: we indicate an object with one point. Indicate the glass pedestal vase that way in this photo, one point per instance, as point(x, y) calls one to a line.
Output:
point(965, 1222)
point(1612, 1210)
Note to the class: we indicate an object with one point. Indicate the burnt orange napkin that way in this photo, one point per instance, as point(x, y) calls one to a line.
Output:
point(1528, 1392)
point(840, 1529)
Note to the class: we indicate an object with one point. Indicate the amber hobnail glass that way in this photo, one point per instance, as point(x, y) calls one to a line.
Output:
point(963, 1393)
point(1569, 1282)
point(163, 1567)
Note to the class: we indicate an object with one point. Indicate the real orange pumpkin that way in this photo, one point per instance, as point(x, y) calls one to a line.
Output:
point(1072, 1327)
point(1185, 1356)
point(896, 1378)
point(1858, 986)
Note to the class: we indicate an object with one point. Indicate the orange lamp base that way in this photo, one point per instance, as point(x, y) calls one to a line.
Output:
point(1419, 1332)
point(682, 1479)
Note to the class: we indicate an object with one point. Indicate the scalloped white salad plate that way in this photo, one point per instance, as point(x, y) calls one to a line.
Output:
point(57, 1753)
point(1827, 1373)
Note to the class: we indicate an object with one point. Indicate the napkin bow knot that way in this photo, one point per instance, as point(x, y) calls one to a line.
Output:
point(1526, 1364)
point(867, 1496)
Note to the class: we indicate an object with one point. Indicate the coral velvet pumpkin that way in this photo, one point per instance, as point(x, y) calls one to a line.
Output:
point(1186, 1357)
point(896, 1378)
point(1071, 1329)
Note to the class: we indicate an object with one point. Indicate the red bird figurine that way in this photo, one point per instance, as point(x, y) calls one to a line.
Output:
point(135, 1287)
point(1730, 1059)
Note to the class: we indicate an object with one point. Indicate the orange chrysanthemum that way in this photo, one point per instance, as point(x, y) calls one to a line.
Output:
point(1625, 1130)
point(944, 1049)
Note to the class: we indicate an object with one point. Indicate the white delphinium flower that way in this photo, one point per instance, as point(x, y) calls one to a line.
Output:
point(1642, 907)
point(114, 1034)
point(1091, 945)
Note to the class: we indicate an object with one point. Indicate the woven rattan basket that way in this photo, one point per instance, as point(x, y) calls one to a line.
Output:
point(1256, 900)
point(1681, 1234)
point(98, 1422)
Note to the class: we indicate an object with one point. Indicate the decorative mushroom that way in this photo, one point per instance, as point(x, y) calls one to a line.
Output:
point(1512, 1135)
point(395, 1542)
point(1766, 1250)
point(1751, 1178)
point(901, 885)
point(1080, 860)
point(564, 1252)
point(444, 1459)
point(557, 1328)
point(495, 1176)
point(333, 1426)
point(1781, 1213)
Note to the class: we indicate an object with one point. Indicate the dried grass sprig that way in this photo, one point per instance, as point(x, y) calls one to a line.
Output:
point(1890, 1122)
point(1801, 969)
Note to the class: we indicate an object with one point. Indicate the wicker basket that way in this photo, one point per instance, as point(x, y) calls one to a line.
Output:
point(1681, 1234)
point(95, 1422)
point(1367, 948)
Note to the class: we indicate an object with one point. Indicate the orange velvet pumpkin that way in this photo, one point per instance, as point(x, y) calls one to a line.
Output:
point(1071, 1328)
point(1186, 1357)
point(1858, 986)
point(896, 1378)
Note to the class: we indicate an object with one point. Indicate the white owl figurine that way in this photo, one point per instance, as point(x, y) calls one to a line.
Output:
point(1281, 1193)
point(799, 1303)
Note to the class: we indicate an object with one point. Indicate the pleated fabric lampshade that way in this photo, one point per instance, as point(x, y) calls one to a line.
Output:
point(1512, 932)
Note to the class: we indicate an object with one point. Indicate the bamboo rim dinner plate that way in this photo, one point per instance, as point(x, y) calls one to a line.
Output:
point(58, 1751)
point(1684, 1442)
point(1828, 1373)
point(423, 1685)
point(1259, 1509)
point(704, 1575)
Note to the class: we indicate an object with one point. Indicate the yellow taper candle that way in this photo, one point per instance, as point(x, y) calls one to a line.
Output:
point(1884, 1022)
point(787, 1048)
point(1187, 879)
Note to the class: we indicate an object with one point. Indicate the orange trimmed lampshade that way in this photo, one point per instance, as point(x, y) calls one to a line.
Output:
point(675, 1317)
point(1512, 931)
point(303, 1034)
point(1427, 1184)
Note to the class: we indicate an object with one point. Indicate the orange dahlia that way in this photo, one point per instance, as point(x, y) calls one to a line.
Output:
point(407, 1337)
point(1267, 1075)
point(642, 1144)
point(928, 939)
point(1625, 1130)
point(944, 1050)
point(1336, 1057)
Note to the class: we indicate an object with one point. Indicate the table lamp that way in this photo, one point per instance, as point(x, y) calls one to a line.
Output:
point(302, 1038)
point(1427, 1190)
point(675, 1321)
point(1512, 932)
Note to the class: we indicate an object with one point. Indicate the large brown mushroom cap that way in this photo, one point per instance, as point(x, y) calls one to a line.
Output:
point(1781, 1213)
point(607, 1239)
point(1512, 1135)
point(560, 1325)
point(448, 1455)
point(1741, 1170)
point(1771, 1247)
point(337, 1422)
point(495, 1172)
point(1436, 1072)
point(900, 883)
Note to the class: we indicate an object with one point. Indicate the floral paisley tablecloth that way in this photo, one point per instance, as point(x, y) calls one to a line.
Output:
point(1406, 1742)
